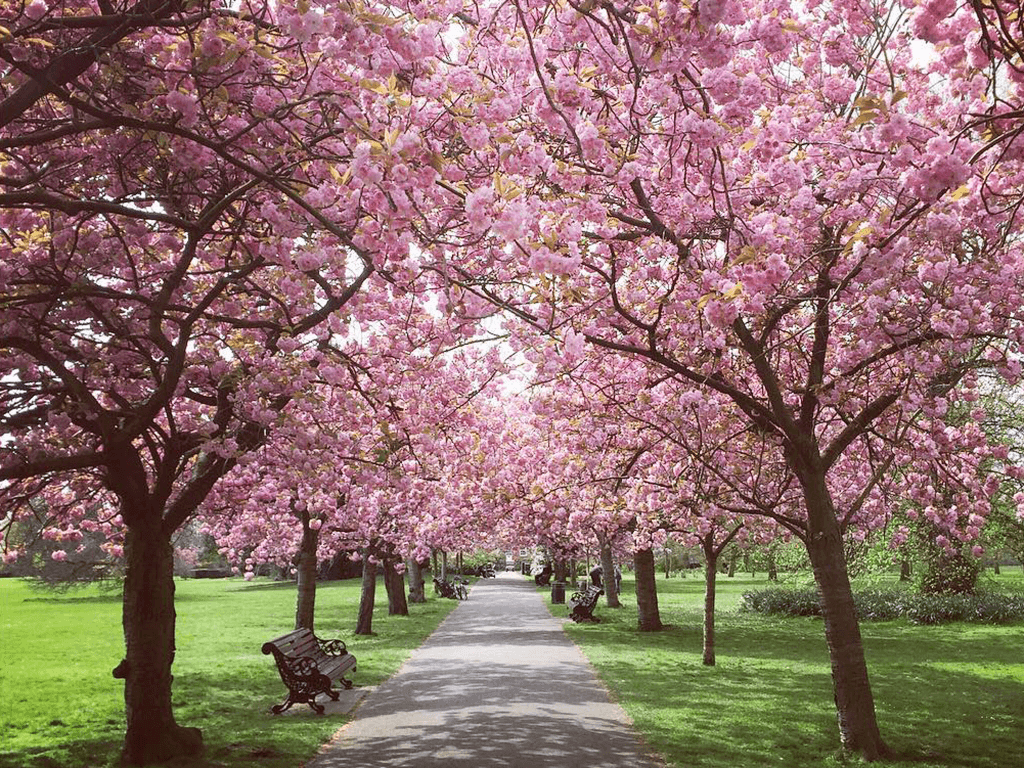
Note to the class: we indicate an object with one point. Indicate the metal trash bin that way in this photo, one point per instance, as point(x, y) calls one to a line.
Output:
point(558, 592)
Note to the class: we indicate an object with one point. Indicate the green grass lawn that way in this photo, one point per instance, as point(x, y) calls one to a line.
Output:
point(947, 696)
point(61, 708)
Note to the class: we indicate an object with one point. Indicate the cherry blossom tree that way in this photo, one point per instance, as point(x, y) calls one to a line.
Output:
point(774, 203)
point(192, 195)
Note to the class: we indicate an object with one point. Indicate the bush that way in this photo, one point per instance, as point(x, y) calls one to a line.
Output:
point(889, 604)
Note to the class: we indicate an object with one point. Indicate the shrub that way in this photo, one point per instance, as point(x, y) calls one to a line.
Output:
point(889, 604)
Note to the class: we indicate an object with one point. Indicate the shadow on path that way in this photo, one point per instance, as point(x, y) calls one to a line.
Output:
point(497, 685)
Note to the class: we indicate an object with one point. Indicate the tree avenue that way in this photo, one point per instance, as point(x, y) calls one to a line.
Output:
point(778, 205)
point(753, 254)
point(185, 224)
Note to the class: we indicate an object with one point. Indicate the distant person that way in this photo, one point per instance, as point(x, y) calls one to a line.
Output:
point(618, 580)
point(595, 576)
point(543, 578)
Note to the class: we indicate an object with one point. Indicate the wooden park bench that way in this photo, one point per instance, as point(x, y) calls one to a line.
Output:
point(453, 590)
point(583, 603)
point(309, 666)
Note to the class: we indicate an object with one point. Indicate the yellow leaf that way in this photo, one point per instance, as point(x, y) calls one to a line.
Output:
point(40, 41)
point(863, 232)
point(867, 102)
point(864, 117)
point(733, 292)
point(373, 85)
point(746, 255)
point(962, 191)
point(748, 145)
point(790, 25)
point(5, 33)
point(703, 300)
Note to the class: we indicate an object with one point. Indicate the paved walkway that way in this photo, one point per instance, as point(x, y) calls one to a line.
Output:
point(498, 685)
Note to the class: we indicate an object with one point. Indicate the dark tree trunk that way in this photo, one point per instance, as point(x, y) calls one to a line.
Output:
point(855, 705)
point(647, 615)
point(773, 569)
point(732, 562)
point(417, 591)
point(611, 586)
point(305, 571)
point(560, 570)
point(394, 583)
point(710, 577)
point(444, 565)
point(364, 625)
point(995, 567)
point(152, 733)
point(905, 569)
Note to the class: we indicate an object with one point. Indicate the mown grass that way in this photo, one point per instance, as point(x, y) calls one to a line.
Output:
point(949, 696)
point(61, 708)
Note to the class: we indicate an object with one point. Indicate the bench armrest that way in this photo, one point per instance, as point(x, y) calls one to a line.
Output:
point(300, 666)
point(333, 647)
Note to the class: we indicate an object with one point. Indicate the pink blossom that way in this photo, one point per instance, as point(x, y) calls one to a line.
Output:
point(513, 221)
point(36, 10)
point(573, 345)
point(478, 208)
point(185, 105)
point(59, 555)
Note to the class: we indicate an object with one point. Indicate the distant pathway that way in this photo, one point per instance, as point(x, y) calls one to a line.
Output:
point(498, 685)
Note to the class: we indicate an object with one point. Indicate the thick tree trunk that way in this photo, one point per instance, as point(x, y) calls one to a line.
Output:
point(710, 577)
point(364, 624)
point(732, 562)
point(855, 705)
point(417, 591)
point(647, 615)
point(611, 587)
point(905, 569)
point(305, 571)
point(773, 569)
point(394, 583)
point(152, 734)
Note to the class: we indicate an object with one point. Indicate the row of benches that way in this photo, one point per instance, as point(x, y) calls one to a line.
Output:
point(309, 666)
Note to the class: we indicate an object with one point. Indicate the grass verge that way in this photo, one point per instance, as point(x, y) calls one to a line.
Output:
point(61, 708)
point(949, 696)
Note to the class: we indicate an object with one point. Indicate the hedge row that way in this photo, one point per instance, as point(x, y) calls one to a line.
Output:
point(888, 604)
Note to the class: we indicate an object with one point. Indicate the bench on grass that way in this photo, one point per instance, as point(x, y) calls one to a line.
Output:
point(309, 666)
point(453, 590)
point(583, 603)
